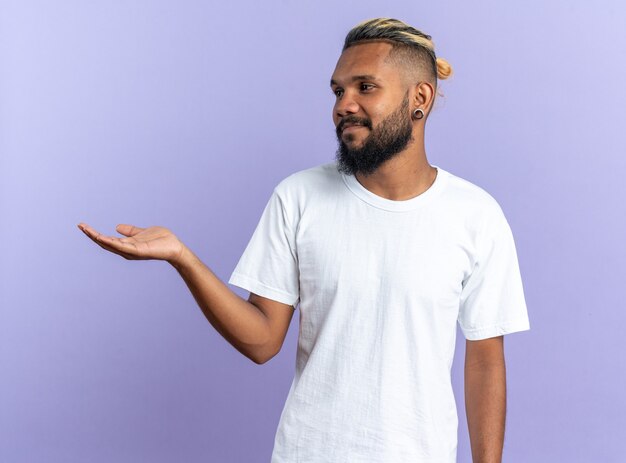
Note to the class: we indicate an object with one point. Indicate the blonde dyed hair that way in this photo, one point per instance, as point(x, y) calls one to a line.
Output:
point(410, 45)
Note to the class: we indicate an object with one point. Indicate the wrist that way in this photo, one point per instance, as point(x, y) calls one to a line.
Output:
point(182, 258)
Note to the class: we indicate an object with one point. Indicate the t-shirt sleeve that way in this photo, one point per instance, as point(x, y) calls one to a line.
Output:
point(269, 264)
point(492, 297)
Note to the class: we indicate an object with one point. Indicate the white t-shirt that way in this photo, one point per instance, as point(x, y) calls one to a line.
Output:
point(381, 285)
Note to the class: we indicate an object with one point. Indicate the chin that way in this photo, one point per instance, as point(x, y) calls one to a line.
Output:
point(354, 141)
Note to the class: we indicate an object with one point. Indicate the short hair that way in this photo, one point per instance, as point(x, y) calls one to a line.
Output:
point(410, 47)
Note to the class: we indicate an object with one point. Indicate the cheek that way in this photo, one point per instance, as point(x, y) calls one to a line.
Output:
point(381, 110)
point(376, 112)
point(333, 115)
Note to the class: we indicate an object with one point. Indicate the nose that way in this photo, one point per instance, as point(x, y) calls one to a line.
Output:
point(346, 105)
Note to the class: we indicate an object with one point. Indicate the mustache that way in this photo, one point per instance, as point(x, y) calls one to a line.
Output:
point(353, 120)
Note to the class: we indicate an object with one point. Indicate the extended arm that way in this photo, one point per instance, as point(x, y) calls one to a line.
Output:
point(485, 398)
point(256, 327)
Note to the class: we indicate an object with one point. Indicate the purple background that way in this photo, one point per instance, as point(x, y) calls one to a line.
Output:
point(187, 114)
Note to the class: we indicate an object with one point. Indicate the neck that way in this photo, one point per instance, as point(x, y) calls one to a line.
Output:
point(406, 175)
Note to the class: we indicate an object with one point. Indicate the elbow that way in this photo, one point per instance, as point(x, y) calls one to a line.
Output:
point(258, 360)
point(262, 356)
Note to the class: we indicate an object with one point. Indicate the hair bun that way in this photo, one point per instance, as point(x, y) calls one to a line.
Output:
point(444, 70)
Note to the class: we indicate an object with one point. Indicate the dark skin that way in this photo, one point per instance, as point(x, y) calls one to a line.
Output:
point(257, 327)
point(485, 398)
point(368, 85)
point(408, 174)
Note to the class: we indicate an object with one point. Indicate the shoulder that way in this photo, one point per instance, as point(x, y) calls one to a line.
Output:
point(310, 177)
point(307, 182)
point(470, 201)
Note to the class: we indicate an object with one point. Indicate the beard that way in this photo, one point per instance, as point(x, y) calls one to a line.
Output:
point(385, 141)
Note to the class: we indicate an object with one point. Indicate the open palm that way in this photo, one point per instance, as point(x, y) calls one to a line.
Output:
point(138, 243)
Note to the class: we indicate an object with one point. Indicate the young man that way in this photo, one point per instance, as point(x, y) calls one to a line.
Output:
point(384, 253)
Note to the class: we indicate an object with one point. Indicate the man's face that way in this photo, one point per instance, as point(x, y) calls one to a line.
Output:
point(371, 112)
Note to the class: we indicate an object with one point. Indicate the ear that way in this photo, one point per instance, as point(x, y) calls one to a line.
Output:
point(423, 96)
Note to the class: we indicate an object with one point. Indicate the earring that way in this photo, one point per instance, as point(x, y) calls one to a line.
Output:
point(418, 110)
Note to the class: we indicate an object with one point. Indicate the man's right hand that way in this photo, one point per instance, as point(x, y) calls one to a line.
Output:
point(257, 331)
point(139, 243)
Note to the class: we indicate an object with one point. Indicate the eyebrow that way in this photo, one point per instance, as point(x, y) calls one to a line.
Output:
point(354, 78)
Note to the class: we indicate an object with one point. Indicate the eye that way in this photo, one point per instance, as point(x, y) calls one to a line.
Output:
point(365, 87)
point(338, 92)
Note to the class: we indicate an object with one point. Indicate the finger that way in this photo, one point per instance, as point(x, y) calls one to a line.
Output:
point(115, 251)
point(96, 235)
point(128, 230)
point(120, 244)
point(102, 243)
point(106, 242)
point(88, 230)
point(125, 246)
point(93, 234)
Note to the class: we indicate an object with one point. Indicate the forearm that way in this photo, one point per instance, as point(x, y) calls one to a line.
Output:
point(485, 404)
point(240, 322)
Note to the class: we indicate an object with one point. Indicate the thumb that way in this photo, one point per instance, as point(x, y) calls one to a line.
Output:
point(128, 230)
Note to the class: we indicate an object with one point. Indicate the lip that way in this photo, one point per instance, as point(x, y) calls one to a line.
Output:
point(352, 127)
